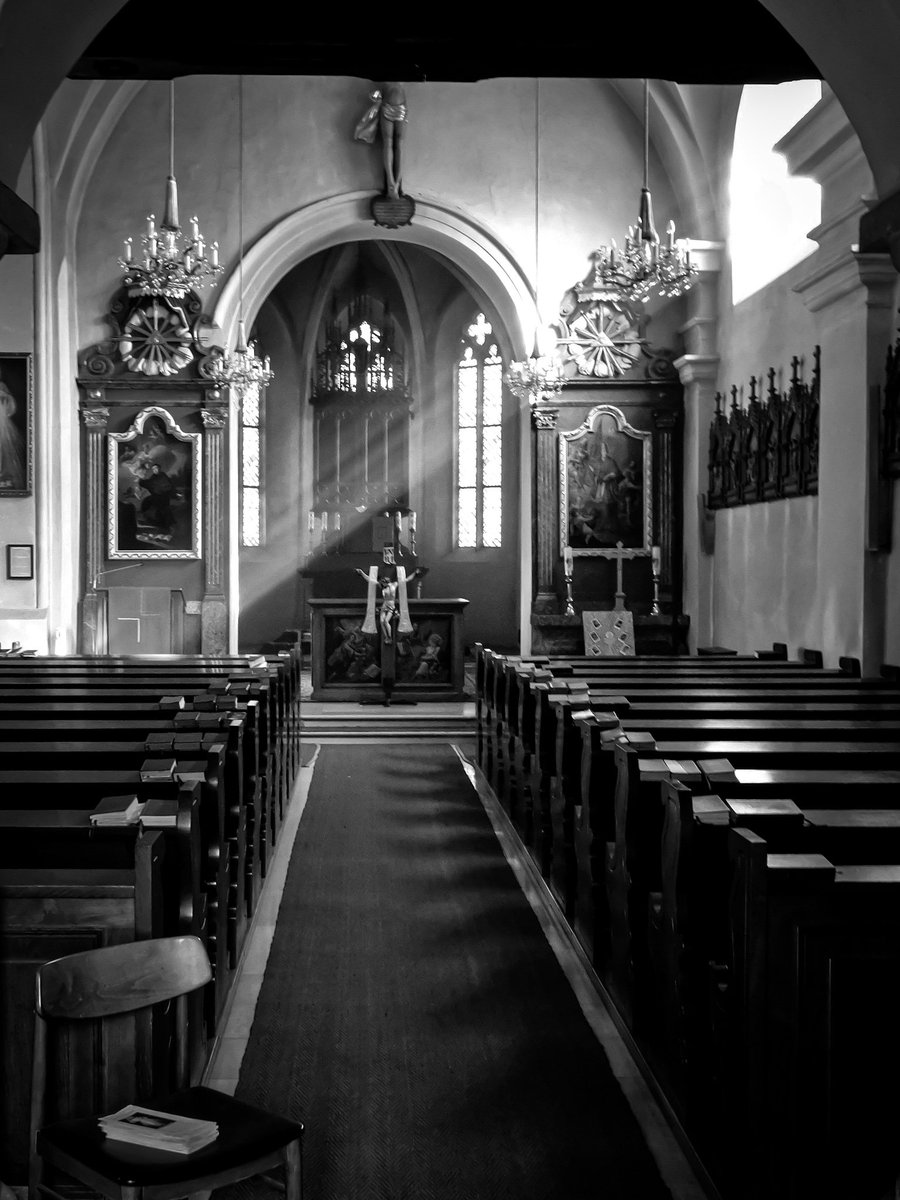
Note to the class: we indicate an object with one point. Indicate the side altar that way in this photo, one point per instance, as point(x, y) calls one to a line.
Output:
point(428, 662)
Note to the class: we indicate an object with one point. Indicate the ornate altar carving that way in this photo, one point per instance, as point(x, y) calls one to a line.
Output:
point(152, 338)
point(603, 336)
point(767, 449)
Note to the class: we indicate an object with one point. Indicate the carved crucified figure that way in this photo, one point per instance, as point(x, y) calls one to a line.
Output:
point(386, 115)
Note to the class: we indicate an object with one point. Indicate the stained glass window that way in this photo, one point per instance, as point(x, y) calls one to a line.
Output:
point(479, 441)
point(251, 466)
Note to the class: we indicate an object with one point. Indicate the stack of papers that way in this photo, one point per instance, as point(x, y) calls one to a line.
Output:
point(117, 810)
point(160, 1130)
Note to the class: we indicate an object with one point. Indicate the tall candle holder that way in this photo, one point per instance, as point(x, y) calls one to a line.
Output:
point(655, 558)
point(568, 570)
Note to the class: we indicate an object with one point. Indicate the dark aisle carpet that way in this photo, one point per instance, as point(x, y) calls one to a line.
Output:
point(412, 1013)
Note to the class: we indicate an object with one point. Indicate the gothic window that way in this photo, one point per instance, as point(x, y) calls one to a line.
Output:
point(364, 365)
point(479, 403)
point(252, 528)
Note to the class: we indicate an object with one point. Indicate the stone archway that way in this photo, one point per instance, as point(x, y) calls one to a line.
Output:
point(469, 249)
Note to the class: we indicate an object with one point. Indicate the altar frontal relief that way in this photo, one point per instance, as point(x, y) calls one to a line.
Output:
point(605, 474)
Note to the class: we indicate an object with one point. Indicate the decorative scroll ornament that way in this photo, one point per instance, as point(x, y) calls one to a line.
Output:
point(599, 334)
point(767, 449)
point(172, 264)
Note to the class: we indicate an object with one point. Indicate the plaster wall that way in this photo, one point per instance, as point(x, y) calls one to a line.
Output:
point(20, 619)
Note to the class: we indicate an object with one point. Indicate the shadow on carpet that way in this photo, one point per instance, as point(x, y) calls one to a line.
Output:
point(413, 1015)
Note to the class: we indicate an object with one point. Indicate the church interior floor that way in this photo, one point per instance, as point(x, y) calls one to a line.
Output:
point(678, 1168)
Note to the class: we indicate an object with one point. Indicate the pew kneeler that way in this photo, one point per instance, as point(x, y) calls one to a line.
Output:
point(100, 985)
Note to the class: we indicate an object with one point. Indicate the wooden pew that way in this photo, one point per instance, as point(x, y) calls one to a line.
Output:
point(46, 912)
point(809, 1036)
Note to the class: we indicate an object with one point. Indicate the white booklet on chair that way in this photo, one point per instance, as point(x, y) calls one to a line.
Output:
point(159, 1130)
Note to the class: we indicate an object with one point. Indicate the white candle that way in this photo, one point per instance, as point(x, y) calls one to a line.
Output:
point(567, 560)
point(128, 249)
point(655, 558)
point(337, 522)
point(215, 254)
point(412, 521)
point(311, 526)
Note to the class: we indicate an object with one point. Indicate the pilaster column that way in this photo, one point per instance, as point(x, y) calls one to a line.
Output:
point(698, 371)
point(214, 607)
point(546, 508)
point(93, 609)
point(853, 299)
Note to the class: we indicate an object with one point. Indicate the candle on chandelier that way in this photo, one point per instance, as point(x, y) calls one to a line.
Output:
point(397, 520)
point(215, 254)
point(670, 230)
point(195, 228)
point(128, 250)
point(324, 525)
point(151, 225)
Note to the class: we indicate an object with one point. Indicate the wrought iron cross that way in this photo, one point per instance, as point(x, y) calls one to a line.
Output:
point(620, 554)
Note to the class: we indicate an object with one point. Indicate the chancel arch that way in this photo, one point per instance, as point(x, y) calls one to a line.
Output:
point(299, 261)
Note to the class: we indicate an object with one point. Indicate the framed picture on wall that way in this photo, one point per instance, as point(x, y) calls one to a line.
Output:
point(16, 424)
point(606, 485)
point(153, 489)
point(20, 562)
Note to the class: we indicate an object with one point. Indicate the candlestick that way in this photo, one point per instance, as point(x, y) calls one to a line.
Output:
point(324, 526)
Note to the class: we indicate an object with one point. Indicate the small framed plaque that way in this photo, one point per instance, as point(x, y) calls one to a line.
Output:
point(19, 562)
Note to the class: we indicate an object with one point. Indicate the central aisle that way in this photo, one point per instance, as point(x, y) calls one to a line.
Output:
point(412, 1013)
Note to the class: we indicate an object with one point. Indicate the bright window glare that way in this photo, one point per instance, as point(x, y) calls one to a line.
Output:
point(771, 211)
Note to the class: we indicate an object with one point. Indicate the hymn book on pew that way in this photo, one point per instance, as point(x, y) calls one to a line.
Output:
point(158, 1130)
point(171, 702)
point(190, 770)
point(116, 810)
point(157, 814)
point(153, 769)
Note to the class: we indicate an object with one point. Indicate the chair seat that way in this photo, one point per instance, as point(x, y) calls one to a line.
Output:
point(246, 1134)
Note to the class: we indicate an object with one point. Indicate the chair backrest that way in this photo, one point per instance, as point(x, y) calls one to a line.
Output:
point(120, 979)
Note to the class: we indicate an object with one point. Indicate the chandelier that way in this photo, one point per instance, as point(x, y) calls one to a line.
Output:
point(242, 370)
point(171, 263)
point(540, 376)
point(644, 265)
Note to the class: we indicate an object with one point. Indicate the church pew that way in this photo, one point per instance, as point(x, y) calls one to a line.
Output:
point(808, 1035)
point(500, 728)
point(46, 912)
point(281, 673)
point(690, 934)
point(633, 862)
point(59, 788)
point(275, 781)
point(247, 820)
point(556, 743)
point(224, 830)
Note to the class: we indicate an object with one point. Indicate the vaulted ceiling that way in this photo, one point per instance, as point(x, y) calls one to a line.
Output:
point(705, 42)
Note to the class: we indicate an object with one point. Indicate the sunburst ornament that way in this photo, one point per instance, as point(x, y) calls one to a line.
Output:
point(601, 340)
point(156, 339)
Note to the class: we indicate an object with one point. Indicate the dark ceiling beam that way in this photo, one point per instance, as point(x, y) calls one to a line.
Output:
point(692, 48)
point(20, 231)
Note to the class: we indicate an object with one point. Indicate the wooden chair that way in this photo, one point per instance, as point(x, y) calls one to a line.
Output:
point(102, 983)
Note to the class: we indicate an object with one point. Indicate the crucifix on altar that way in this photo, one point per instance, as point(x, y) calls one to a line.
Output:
point(388, 617)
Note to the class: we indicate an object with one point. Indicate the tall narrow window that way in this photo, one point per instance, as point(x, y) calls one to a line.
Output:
point(251, 466)
point(479, 405)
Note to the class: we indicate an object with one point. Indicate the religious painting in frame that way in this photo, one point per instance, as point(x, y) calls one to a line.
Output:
point(606, 486)
point(16, 424)
point(153, 489)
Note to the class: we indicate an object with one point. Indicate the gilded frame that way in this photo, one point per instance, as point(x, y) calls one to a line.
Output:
point(606, 486)
point(16, 424)
point(153, 490)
